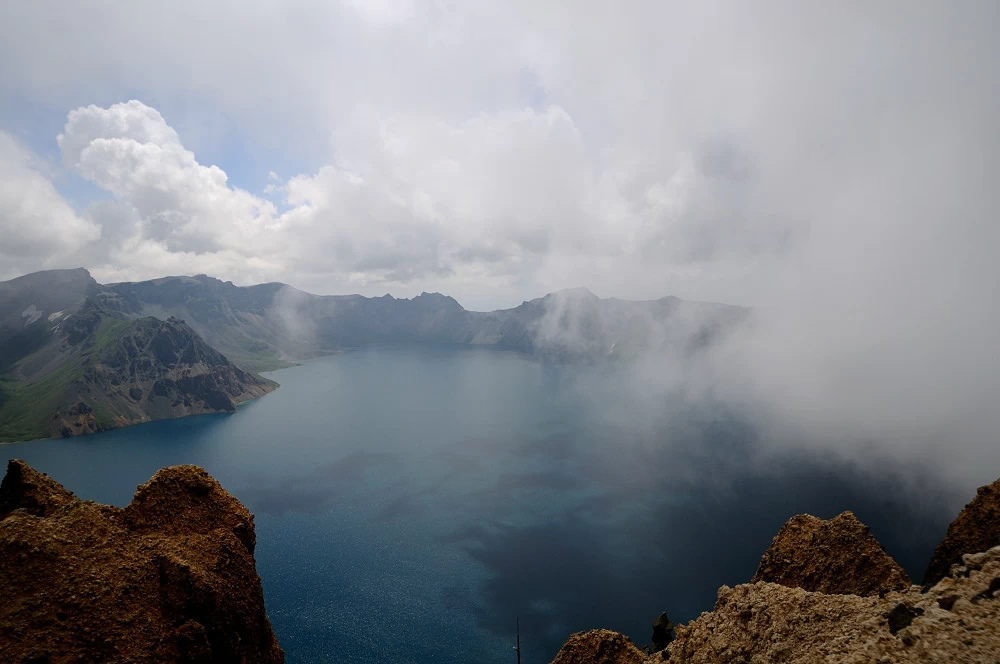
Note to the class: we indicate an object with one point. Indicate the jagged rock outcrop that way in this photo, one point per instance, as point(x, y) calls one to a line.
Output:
point(169, 578)
point(858, 611)
point(976, 528)
point(599, 646)
point(839, 555)
point(957, 620)
point(95, 369)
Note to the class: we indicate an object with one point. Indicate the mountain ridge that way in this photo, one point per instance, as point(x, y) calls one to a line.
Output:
point(92, 368)
point(63, 323)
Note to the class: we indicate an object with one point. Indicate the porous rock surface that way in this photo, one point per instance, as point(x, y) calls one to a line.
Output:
point(957, 620)
point(169, 578)
point(976, 528)
point(599, 646)
point(838, 555)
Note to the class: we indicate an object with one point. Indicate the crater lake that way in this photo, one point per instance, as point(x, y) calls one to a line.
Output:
point(412, 503)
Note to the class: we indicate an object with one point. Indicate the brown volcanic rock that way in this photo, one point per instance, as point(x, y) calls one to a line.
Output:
point(599, 646)
point(27, 489)
point(957, 620)
point(835, 556)
point(170, 578)
point(976, 528)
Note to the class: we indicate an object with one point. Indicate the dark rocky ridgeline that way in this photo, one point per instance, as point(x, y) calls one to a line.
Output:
point(976, 528)
point(169, 578)
point(838, 555)
point(826, 592)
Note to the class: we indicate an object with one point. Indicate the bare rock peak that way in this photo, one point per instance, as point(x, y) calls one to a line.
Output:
point(170, 578)
point(188, 499)
point(599, 646)
point(835, 556)
point(976, 528)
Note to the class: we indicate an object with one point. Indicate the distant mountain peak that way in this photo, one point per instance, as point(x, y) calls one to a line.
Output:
point(578, 292)
point(79, 274)
point(438, 299)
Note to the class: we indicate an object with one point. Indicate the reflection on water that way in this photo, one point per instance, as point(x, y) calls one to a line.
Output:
point(411, 503)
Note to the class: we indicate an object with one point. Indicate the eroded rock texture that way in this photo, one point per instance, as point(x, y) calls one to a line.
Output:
point(169, 578)
point(599, 646)
point(976, 528)
point(958, 620)
point(827, 593)
point(838, 555)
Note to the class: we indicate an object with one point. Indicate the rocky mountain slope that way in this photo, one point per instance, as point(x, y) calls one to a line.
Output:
point(826, 592)
point(92, 368)
point(169, 578)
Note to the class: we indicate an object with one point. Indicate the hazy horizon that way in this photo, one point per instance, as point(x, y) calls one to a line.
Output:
point(251, 284)
point(832, 167)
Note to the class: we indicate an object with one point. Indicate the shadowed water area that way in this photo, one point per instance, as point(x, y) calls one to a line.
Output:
point(410, 503)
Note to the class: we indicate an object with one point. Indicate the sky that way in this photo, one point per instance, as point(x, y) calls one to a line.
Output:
point(832, 165)
point(498, 151)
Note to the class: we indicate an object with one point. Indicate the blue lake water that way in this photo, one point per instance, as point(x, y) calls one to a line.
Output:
point(411, 503)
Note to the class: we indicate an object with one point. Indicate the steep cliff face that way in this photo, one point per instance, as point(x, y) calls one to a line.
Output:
point(98, 369)
point(169, 578)
point(155, 369)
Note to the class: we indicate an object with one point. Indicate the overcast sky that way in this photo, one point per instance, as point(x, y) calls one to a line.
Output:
point(833, 164)
point(500, 150)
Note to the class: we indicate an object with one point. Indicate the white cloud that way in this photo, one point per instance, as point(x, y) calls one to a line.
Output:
point(833, 165)
point(129, 150)
point(411, 198)
point(38, 228)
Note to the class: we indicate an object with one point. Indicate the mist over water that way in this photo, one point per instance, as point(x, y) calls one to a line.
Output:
point(411, 503)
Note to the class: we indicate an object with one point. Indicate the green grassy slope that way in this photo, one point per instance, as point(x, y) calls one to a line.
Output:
point(26, 405)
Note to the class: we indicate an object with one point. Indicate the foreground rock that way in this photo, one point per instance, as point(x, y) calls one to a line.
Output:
point(838, 555)
point(169, 578)
point(826, 592)
point(599, 646)
point(958, 620)
point(976, 528)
